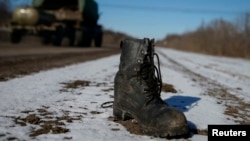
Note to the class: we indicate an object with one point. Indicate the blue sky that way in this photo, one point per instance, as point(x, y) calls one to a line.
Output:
point(157, 18)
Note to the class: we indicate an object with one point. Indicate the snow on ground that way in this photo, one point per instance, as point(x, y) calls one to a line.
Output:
point(71, 97)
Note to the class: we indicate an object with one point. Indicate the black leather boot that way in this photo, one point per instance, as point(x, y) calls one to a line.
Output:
point(137, 91)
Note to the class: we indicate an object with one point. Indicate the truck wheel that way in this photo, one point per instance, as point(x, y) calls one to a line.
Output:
point(86, 41)
point(16, 36)
point(78, 36)
point(86, 37)
point(58, 36)
point(98, 37)
point(46, 37)
point(70, 33)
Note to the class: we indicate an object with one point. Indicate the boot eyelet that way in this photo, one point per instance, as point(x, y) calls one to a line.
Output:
point(144, 52)
point(139, 61)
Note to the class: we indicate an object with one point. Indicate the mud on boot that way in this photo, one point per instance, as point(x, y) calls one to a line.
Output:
point(137, 89)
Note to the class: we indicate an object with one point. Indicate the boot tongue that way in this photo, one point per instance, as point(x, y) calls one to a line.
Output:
point(150, 83)
point(151, 74)
point(147, 68)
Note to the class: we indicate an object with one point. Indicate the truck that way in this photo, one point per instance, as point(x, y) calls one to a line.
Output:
point(57, 20)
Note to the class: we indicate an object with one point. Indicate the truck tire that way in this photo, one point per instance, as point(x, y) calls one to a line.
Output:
point(86, 37)
point(16, 36)
point(59, 33)
point(98, 35)
point(78, 36)
point(70, 33)
point(46, 37)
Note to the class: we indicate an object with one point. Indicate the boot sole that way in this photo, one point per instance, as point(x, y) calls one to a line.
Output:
point(166, 132)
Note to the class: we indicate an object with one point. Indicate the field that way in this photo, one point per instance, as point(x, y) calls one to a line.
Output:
point(56, 93)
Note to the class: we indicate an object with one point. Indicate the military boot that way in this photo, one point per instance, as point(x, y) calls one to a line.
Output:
point(137, 89)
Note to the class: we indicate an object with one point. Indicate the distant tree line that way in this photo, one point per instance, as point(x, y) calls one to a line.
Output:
point(5, 14)
point(218, 37)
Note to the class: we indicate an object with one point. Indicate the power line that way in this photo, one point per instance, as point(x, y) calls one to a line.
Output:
point(170, 9)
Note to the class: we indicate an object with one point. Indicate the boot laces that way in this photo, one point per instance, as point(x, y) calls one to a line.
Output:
point(152, 76)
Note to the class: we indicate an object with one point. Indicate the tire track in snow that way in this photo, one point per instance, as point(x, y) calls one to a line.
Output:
point(236, 108)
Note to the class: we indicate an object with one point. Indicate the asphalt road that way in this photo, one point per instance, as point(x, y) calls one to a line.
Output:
point(30, 56)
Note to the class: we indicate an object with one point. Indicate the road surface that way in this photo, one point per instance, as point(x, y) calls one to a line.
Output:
point(30, 56)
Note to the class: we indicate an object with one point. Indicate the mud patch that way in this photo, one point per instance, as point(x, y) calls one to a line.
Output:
point(108, 90)
point(168, 88)
point(76, 84)
point(95, 112)
point(84, 83)
point(46, 122)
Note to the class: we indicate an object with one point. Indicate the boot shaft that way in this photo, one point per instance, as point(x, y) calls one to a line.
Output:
point(137, 71)
point(133, 55)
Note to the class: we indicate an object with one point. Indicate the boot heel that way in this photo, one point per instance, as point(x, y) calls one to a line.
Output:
point(120, 114)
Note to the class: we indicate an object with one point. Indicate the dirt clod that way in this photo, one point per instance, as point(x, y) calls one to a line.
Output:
point(168, 88)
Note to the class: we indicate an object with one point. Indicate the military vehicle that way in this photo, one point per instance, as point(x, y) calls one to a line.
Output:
point(57, 20)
